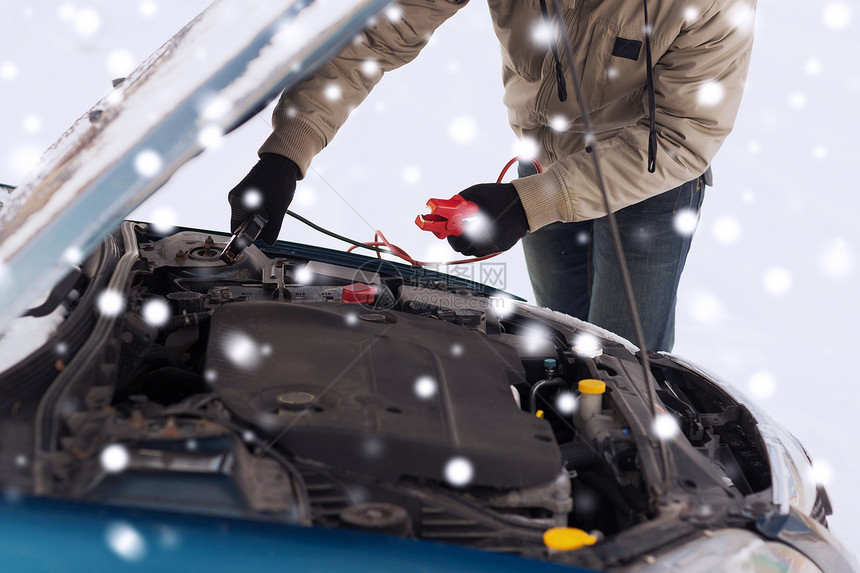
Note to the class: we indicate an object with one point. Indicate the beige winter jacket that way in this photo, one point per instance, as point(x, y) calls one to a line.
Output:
point(700, 48)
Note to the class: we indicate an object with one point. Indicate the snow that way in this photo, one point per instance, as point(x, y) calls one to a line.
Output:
point(126, 541)
point(156, 311)
point(795, 208)
point(111, 303)
point(665, 427)
point(459, 471)
point(115, 458)
point(425, 387)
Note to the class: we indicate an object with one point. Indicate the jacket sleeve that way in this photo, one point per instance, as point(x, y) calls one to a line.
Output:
point(308, 116)
point(698, 85)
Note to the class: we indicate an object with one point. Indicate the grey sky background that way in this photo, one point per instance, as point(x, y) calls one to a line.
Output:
point(768, 299)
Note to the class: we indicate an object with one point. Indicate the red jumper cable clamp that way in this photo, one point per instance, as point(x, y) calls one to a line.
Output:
point(446, 216)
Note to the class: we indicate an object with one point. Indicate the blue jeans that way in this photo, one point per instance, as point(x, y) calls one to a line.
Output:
point(573, 268)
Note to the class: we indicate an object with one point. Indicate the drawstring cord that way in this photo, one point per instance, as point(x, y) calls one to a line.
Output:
point(652, 105)
point(559, 71)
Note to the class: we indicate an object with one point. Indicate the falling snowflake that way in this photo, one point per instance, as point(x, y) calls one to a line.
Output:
point(23, 160)
point(478, 226)
point(31, 124)
point(425, 387)
point(819, 153)
point(527, 148)
point(813, 67)
point(742, 16)
point(61, 348)
point(66, 12)
point(21, 460)
point(411, 175)
point(191, 445)
point(686, 221)
point(351, 319)
point(8, 71)
point(372, 447)
point(837, 15)
point(837, 260)
point(542, 33)
point(215, 109)
point(797, 101)
point(754, 147)
point(304, 276)
point(86, 22)
point(126, 541)
point(665, 427)
point(459, 471)
point(210, 376)
point(242, 350)
point(164, 220)
point(120, 63)
point(726, 230)
point(147, 163)
point(210, 137)
point(502, 306)
point(535, 339)
point(156, 312)
point(691, 14)
point(821, 472)
point(371, 68)
point(586, 345)
point(457, 350)
point(706, 308)
point(148, 8)
point(114, 458)
point(168, 537)
point(463, 130)
point(711, 93)
point(558, 123)
point(73, 255)
point(394, 13)
point(111, 303)
point(777, 281)
point(566, 403)
point(333, 92)
point(611, 73)
point(762, 385)
point(305, 196)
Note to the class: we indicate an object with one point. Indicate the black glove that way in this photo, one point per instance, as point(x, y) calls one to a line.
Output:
point(274, 179)
point(500, 224)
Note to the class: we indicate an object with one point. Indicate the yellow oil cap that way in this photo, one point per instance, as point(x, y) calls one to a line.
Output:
point(590, 386)
point(567, 538)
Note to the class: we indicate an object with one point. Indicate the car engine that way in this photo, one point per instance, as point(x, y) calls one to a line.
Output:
point(305, 386)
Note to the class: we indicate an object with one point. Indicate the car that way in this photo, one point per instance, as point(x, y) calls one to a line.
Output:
point(166, 407)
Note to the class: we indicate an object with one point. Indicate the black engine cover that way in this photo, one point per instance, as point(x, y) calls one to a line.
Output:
point(336, 383)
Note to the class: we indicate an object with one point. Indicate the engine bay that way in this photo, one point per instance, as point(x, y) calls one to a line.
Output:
point(347, 391)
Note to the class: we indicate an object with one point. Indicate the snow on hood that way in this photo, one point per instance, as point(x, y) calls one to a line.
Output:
point(222, 67)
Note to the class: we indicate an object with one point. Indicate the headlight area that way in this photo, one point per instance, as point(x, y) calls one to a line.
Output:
point(783, 497)
point(730, 551)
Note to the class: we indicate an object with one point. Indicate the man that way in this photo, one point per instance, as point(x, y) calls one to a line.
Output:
point(655, 129)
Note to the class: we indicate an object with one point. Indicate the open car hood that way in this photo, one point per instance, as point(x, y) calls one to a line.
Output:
point(218, 71)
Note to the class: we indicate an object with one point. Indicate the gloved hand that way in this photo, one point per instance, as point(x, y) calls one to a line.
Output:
point(268, 188)
point(501, 221)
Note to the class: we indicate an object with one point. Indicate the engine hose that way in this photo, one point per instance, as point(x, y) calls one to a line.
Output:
point(545, 383)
